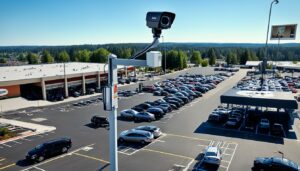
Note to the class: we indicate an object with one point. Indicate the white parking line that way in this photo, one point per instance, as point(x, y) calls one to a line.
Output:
point(26, 139)
point(39, 168)
point(6, 145)
point(17, 142)
point(61, 156)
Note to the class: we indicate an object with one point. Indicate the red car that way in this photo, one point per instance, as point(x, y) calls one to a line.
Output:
point(294, 90)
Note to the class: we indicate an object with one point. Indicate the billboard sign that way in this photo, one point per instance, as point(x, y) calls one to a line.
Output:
point(284, 32)
point(3, 92)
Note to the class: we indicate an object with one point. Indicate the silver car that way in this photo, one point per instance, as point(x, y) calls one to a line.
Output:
point(153, 129)
point(139, 136)
point(212, 155)
point(145, 116)
point(128, 113)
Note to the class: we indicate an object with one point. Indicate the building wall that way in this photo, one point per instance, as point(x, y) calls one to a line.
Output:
point(13, 91)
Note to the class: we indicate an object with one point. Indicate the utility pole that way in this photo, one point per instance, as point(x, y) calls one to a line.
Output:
point(264, 63)
point(157, 21)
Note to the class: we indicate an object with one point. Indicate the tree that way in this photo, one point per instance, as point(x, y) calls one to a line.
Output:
point(182, 59)
point(212, 56)
point(82, 55)
point(172, 58)
point(22, 58)
point(3, 61)
point(100, 55)
point(204, 63)
point(46, 57)
point(196, 58)
point(63, 56)
point(231, 58)
point(126, 53)
point(246, 56)
point(32, 58)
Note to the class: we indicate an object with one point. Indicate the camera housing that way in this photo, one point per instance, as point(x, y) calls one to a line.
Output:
point(159, 20)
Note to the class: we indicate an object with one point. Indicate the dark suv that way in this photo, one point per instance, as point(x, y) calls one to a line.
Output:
point(49, 149)
point(99, 121)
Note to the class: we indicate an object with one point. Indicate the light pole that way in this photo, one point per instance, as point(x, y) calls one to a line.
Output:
point(266, 47)
point(156, 21)
point(165, 55)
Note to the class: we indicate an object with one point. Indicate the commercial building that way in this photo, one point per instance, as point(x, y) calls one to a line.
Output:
point(39, 80)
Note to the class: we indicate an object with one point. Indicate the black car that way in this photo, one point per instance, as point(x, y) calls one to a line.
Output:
point(275, 164)
point(90, 91)
point(176, 103)
point(157, 112)
point(141, 107)
point(99, 121)
point(121, 81)
point(49, 149)
point(174, 99)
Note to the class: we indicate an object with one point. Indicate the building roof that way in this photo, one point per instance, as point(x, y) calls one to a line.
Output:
point(253, 63)
point(13, 73)
point(257, 98)
point(282, 64)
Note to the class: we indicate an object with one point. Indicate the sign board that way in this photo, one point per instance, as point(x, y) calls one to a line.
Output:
point(284, 32)
point(3, 92)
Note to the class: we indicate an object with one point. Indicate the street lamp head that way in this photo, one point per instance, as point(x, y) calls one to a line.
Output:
point(276, 1)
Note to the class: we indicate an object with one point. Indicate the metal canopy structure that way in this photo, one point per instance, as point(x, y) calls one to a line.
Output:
point(278, 100)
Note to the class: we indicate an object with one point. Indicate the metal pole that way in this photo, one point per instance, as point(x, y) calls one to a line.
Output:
point(266, 47)
point(163, 41)
point(112, 80)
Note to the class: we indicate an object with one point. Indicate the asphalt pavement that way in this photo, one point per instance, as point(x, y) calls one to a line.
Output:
point(179, 148)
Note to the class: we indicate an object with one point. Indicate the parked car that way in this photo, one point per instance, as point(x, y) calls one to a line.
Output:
point(212, 155)
point(232, 122)
point(157, 112)
point(144, 116)
point(275, 164)
point(277, 129)
point(264, 124)
point(141, 107)
point(128, 113)
point(139, 136)
point(153, 129)
point(99, 121)
point(49, 149)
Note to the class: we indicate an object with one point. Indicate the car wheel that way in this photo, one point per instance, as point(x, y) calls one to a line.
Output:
point(41, 158)
point(64, 150)
point(143, 142)
point(149, 120)
point(121, 140)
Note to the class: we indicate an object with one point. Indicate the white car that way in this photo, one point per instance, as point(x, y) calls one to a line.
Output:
point(212, 155)
point(264, 124)
point(128, 113)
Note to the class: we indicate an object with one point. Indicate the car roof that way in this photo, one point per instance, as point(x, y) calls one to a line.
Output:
point(212, 149)
point(144, 126)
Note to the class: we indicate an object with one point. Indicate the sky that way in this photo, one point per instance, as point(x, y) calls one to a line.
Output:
point(75, 22)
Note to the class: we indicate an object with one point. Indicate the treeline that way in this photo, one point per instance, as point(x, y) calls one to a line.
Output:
point(178, 55)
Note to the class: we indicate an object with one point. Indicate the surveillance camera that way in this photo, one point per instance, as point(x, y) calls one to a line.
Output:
point(159, 20)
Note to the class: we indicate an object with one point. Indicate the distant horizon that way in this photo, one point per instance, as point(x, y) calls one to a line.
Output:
point(148, 43)
point(77, 22)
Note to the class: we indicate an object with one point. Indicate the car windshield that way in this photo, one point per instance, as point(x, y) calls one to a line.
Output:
point(39, 146)
point(211, 154)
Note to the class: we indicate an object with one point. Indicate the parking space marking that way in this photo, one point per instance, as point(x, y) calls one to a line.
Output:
point(39, 169)
point(6, 145)
point(90, 157)
point(187, 137)
point(55, 158)
point(166, 153)
point(2, 159)
point(7, 166)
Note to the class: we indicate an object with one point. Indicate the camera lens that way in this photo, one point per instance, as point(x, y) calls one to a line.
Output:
point(165, 20)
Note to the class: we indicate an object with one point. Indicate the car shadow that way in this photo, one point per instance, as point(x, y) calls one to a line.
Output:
point(208, 128)
point(90, 125)
point(24, 163)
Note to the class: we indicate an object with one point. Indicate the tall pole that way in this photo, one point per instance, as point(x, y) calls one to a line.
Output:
point(165, 68)
point(112, 82)
point(264, 64)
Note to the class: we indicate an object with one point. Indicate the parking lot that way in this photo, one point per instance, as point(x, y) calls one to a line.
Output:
point(179, 148)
